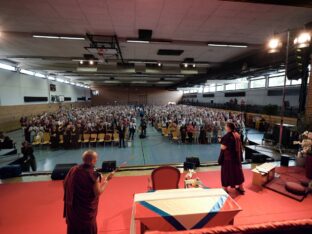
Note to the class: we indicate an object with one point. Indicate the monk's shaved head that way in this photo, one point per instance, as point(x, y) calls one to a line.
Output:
point(89, 157)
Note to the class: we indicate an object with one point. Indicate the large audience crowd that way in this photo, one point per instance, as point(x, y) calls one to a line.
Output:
point(72, 123)
point(192, 124)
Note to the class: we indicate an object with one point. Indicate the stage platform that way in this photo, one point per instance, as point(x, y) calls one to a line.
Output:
point(4, 152)
point(254, 136)
point(5, 160)
point(7, 156)
point(37, 207)
point(268, 151)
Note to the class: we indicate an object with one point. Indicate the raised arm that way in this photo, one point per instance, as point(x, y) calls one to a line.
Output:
point(101, 183)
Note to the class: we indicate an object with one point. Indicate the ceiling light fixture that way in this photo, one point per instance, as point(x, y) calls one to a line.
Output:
point(303, 40)
point(111, 81)
point(135, 61)
point(91, 62)
point(72, 38)
point(143, 62)
point(194, 65)
point(60, 80)
point(274, 45)
point(27, 72)
point(51, 78)
point(137, 41)
point(139, 82)
point(40, 75)
point(81, 61)
point(185, 65)
point(7, 67)
point(58, 37)
point(227, 45)
point(46, 36)
point(159, 64)
point(164, 82)
point(160, 42)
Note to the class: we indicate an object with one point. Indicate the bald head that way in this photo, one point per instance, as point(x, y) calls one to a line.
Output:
point(89, 157)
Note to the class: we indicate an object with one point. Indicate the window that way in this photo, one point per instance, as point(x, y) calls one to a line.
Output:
point(206, 89)
point(220, 87)
point(296, 82)
point(230, 87)
point(257, 83)
point(278, 80)
point(241, 85)
point(212, 88)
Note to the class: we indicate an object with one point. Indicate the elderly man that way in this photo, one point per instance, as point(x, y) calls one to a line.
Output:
point(82, 188)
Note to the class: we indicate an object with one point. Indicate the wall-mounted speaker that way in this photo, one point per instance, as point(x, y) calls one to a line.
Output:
point(35, 99)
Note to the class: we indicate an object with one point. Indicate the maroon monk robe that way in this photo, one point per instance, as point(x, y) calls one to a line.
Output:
point(80, 201)
point(231, 167)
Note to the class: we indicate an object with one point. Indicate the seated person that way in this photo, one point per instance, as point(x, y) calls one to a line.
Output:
point(6, 142)
point(29, 159)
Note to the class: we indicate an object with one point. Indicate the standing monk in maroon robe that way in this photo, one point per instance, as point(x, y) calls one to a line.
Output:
point(82, 188)
point(230, 160)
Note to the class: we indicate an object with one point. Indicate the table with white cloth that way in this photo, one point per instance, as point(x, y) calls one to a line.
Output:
point(182, 209)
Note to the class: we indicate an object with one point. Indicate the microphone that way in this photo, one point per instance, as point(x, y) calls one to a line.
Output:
point(98, 174)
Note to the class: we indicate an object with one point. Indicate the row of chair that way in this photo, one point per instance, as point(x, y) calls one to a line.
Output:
point(99, 138)
point(173, 135)
point(85, 138)
point(42, 139)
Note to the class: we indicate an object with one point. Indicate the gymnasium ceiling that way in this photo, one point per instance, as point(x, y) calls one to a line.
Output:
point(187, 25)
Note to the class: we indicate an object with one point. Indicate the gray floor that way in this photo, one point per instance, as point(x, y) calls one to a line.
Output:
point(153, 150)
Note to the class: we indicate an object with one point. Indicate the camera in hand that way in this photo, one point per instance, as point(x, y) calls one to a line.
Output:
point(98, 176)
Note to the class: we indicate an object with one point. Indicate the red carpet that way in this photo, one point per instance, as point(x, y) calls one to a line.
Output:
point(36, 207)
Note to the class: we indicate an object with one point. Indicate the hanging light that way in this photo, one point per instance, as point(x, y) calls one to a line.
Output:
point(302, 40)
point(274, 45)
